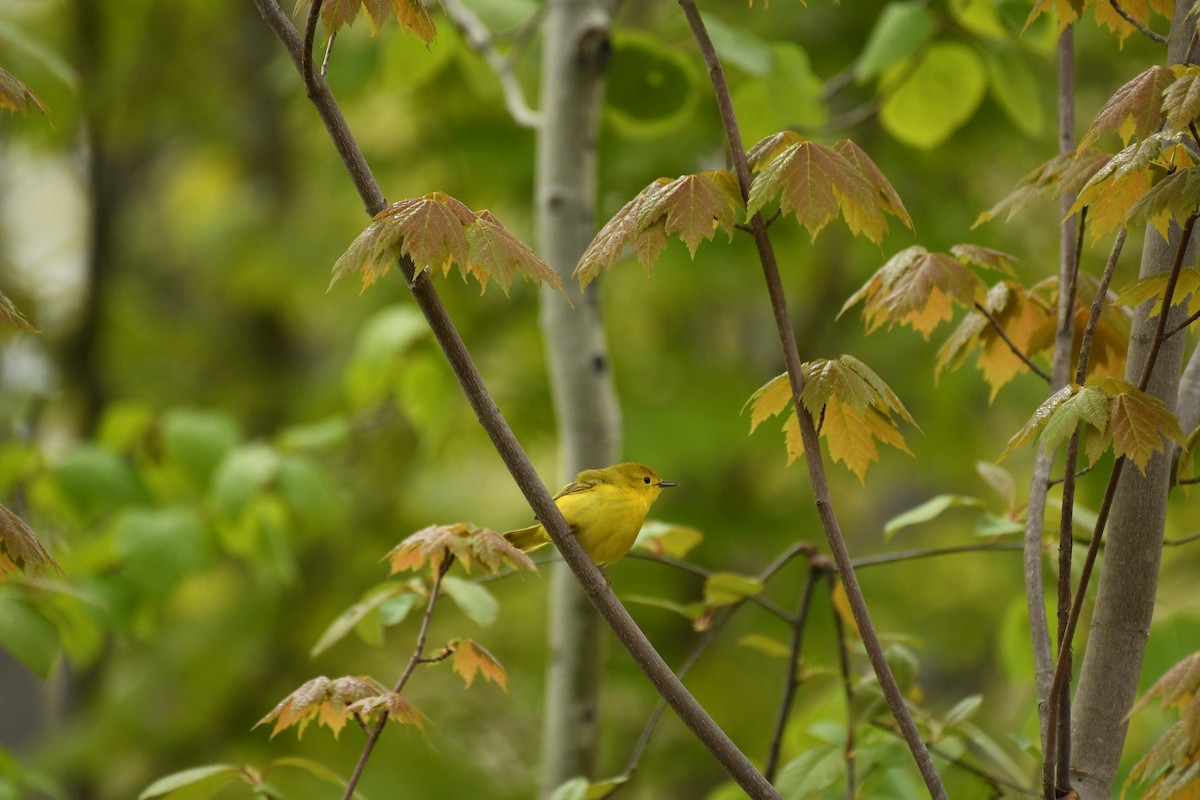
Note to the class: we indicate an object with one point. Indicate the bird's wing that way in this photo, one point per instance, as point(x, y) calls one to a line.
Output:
point(575, 488)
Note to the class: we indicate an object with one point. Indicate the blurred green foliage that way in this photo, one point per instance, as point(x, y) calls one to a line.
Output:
point(260, 443)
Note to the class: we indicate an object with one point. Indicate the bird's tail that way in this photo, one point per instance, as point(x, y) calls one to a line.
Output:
point(527, 539)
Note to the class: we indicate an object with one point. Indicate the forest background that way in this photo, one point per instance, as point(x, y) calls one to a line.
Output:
point(218, 451)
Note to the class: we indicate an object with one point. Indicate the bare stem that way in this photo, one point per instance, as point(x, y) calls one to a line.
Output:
point(1016, 351)
point(848, 754)
point(416, 658)
point(1141, 28)
point(812, 448)
point(792, 678)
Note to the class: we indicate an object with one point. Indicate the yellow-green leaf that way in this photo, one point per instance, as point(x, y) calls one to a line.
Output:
point(1135, 110)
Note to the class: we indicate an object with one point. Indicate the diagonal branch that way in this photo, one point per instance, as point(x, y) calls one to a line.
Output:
point(808, 431)
point(505, 442)
point(1141, 28)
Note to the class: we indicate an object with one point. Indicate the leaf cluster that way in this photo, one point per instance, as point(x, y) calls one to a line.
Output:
point(850, 404)
point(813, 182)
point(411, 14)
point(918, 288)
point(1114, 412)
point(1068, 12)
point(468, 543)
point(1171, 767)
point(437, 232)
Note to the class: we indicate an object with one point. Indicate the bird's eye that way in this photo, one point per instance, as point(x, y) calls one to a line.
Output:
point(646, 479)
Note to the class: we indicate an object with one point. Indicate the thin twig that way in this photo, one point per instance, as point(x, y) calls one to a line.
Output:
point(1089, 331)
point(1176, 329)
point(1141, 28)
point(480, 40)
point(848, 747)
point(791, 673)
point(1079, 473)
point(933, 552)
point(719, 622)
point(328, 55)
point(1016, 351)
point(416, 658)
point(1182, 539)
point(812, 447)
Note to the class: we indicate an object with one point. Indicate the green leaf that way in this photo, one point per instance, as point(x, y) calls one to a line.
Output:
point(811, 772)
point(788, 95)
point(1016, 89)
point(725, 588)
point(766, 645)
point(306, 489)
point(349, 619)
point(26, 634)
point(97, 481)
point(665, 538)
point(900, 31)
point(196, 783)
point(990, 526)
point(962, 711)
point(739, 47)
point(241, 474)
point(480, 605)
point(198, 440)
point(574, 789)
point(930, 509)
point(158, 547)
point(937, 98)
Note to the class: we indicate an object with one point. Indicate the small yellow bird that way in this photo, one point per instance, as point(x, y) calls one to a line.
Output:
point(604, 507)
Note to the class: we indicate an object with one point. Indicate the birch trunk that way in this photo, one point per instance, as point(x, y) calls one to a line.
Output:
point(575, 57)
point(1124, 602)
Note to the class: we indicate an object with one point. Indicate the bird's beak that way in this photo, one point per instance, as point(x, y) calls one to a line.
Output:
point(667, 484)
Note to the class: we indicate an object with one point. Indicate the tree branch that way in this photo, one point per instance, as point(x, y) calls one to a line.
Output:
point(480, 40)
point(416, 658)
point(812, 448)
point(509, 449)
point(1142, 29)
point(791, 679)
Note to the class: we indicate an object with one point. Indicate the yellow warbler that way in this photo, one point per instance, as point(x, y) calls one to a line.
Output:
point(605, 509)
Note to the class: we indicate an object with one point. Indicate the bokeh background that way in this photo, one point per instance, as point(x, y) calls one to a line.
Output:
point(219, 451)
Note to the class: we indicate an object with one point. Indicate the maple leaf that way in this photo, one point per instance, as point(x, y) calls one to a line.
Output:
point(692, 207)
point(470, 658)
point(1135, 423)
point(768, 400)
point(496, 252)
point(1117, 186)
point(1174, 198)
point(1063, 174)
point(1135, 110)
point(1171, 760)
point(436, 232)
point(1152, 288)
point(1021, 314)
point(1065, 12)
point(20, 548)
point(1181, 100)
point(985, 257)
point(1107, 16)
point(11, 315)
point(411, 14)
point(464, 541)
point(397, 707)
point(860, 402)
point(1141, 425)
point(15, 95)
point(814, 182)
point(916, 288)
point(889, 199)
point(326, 700)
